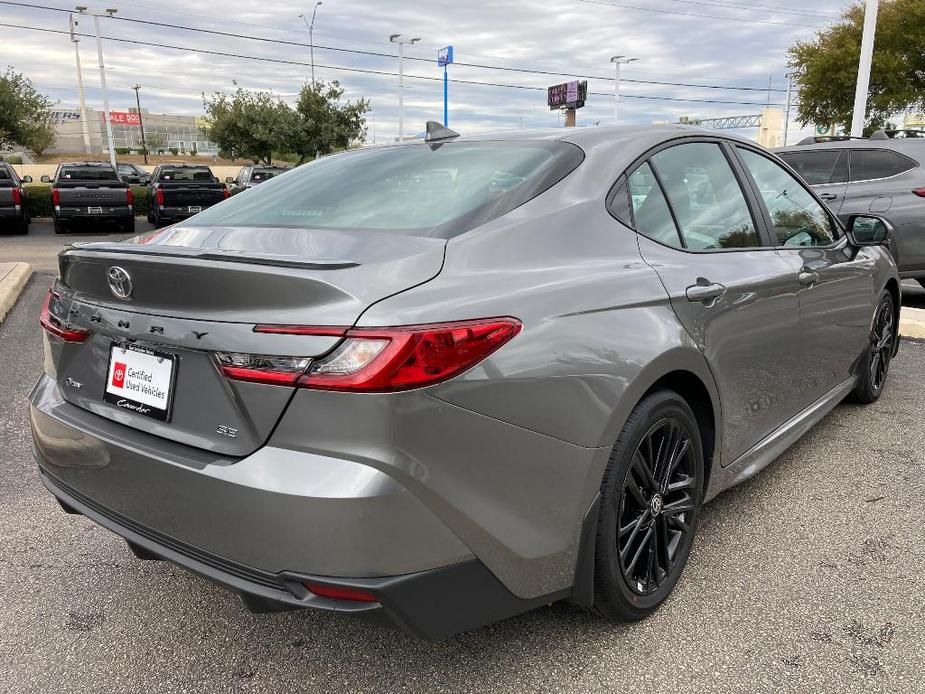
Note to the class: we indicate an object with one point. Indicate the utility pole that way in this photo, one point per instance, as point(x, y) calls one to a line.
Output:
point(141, 123)
point(396, 38)
point(75, 39)
point(99, 51)
point(787, 113)
point(311, 36)
point(867, 54)
point(618, 61)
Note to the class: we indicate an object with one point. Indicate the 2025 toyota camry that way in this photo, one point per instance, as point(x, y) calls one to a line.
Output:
point(444, 382)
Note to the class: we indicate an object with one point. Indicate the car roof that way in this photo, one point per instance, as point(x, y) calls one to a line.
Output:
point(902, 144)
point(99, 164)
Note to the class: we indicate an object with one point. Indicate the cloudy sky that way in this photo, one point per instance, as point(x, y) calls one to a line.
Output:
point(728, 48)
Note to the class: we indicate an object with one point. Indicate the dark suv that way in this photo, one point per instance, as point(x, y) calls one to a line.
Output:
point(879, 175)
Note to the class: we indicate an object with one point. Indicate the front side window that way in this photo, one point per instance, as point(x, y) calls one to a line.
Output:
point(651, 214)
point(869, 164)
point(706, 197)
point(797, 219)
point(829, 166)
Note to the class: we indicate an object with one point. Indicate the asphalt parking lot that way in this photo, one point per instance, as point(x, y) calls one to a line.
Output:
point(806, 578)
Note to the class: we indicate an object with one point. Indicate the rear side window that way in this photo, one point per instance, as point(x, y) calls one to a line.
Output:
point(419, 189)
point(651, 214)
point(706, 197)
point(830, 166)
point(868, 164)
point(4, 176)
point(88, 173)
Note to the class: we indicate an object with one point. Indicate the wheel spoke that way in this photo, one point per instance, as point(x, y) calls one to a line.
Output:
point(661, 531)
point(677, 457)
point(642, 545)
point(685, 482)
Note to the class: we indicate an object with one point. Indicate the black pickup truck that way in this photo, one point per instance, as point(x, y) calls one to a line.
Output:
point(178, 191)
point(90, 192)
point(13, 213)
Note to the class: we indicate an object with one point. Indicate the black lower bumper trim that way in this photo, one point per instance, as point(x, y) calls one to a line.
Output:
point(432, 604)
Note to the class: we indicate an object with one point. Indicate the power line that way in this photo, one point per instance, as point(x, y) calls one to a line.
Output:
point(732, 5)
point(379, 54)
point(613, 3)
point(369, 71)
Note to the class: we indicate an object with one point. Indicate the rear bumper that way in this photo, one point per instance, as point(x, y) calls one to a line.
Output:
point(68, 214)
point(265, 524)
point(11, 213)
point(178, 213)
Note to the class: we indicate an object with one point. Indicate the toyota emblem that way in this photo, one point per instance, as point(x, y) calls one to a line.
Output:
point(120, 282)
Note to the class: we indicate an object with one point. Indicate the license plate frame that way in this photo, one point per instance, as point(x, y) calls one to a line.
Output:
point(94, 210)
point(194, 209)
point(149, 361)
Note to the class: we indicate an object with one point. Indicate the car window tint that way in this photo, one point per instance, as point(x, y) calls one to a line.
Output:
point(651, 214)
point(867, 164)
point(706, 197)
point(814, 167)
point(798, 220)
point(4, 176)
point(620, 203)
point(840, 174)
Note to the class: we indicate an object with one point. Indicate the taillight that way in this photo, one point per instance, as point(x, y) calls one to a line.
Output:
point(920, 192)
point(56, 327)
point(159, 197)
point(341, 593)
point(17, 196)
point(129, 197)
point(55, 197)
point(226, 193)
point(282, 371)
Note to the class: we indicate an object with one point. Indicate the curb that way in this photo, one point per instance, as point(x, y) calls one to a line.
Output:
point(912, 323)
point(11, 286)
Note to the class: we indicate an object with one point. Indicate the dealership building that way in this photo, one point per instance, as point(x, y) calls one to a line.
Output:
point(168, 132)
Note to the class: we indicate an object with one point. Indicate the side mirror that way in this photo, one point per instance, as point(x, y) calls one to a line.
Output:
point(45, 179)
point(868, 230)
point(229, 179)
point(27, 179)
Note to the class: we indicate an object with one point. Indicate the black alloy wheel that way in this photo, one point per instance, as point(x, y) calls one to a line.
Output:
point(874, 365)
point(650, 503)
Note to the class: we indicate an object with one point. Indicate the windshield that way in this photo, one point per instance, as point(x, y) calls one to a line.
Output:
point(88, 173)
point(429, 191)
point(203, 173)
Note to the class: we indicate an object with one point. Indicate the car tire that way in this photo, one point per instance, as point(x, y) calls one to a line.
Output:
point(642, 544)
point(61, 227)
point(874, 365)
point(21, 227)
point(128, 226)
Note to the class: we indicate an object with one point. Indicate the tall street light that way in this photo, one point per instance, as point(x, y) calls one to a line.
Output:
point(618, 61)
point(75, 39)
point(396, 38)
point(311, 37)
point(96, 14)
point(867, 53)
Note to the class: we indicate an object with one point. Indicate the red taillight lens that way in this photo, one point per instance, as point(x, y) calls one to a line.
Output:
point(226, 193)
point(402, 358)
point(920, 192)
point(55, 197)
point(129, 197)
point(341, 593)
point(17, 196)
point(281, 371)
point(159, 197)
point(56, 327)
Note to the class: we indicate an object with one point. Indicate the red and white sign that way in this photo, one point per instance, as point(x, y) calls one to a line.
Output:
point(124, 118)
point(118, 375)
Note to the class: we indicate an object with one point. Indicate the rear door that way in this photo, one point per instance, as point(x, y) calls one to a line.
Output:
point(836, 293)
point(735, 296)
point(824, 169)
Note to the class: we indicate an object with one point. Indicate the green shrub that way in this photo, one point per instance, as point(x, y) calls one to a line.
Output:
point(12, 159)
point(38, 200)
point(174, 151)
point(122, 150)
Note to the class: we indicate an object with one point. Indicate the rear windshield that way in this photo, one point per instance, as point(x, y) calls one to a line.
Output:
point(88, 173)
point(266, 174)
point(418, 189)
point(203, 173)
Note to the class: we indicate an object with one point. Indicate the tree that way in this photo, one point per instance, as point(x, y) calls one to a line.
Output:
point(324, 125)
point(248, 124)
point(25, 116)
point(826, 67)
point(154, 141)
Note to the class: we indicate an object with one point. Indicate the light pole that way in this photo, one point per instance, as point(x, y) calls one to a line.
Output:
point(75, 39)
point(787, 114)
point(141, 123)
point(311, 36)
point(99, 51)
point(396, 38)
point(867, 55)
point(618, 61)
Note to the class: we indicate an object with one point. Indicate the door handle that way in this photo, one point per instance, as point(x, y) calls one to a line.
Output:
point(808, 278)
point(705, 293)
point(828, 196)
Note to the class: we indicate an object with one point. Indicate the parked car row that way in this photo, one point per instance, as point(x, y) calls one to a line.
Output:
point(441, 383)
point(14, 214)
